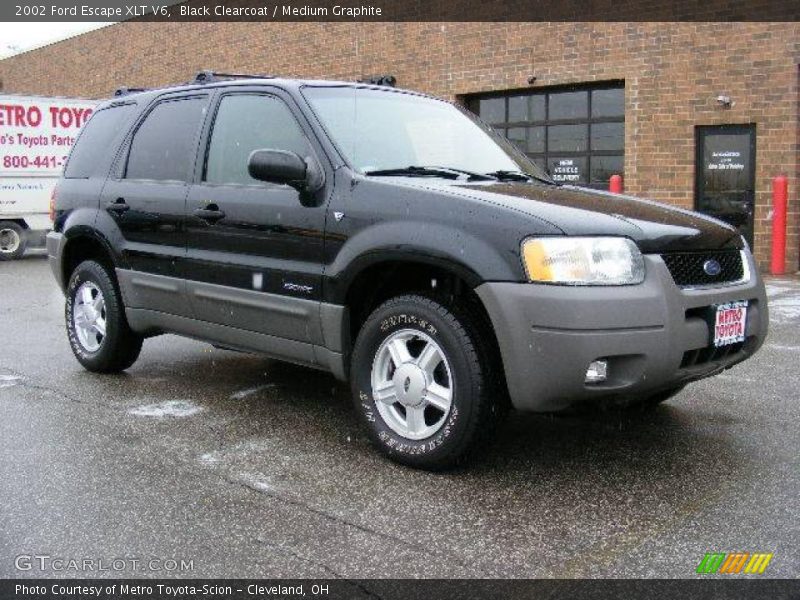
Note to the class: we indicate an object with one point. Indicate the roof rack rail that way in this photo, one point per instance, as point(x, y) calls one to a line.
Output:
point(211, 76)
point(124, 91)
point(385, 80)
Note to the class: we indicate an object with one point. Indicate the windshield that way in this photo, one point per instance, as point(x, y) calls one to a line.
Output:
point(382, 130)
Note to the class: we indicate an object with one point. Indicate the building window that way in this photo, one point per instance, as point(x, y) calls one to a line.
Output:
point(577, 134)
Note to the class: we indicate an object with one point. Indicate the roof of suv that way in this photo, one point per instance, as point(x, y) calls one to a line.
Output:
point(292, 84)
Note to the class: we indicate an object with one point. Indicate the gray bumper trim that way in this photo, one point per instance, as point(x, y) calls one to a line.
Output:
point(55, 246)
point(548, 335)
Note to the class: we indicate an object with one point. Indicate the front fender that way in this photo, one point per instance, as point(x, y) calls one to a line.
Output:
point(471, 258)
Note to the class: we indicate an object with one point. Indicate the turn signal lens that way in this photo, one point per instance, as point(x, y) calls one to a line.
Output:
point(583, 261)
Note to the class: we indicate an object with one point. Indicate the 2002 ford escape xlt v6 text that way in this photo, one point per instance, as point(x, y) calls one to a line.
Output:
point(394, 240)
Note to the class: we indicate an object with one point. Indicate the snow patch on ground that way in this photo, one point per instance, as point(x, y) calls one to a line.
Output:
point(782, 347)
point(170, 408)
point(7, 381)
point(258, 483)
point(774, 289)
point(241, 395)
point(785, 309)
point(209, 458)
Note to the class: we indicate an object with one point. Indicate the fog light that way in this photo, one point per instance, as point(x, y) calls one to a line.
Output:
point(597, 371)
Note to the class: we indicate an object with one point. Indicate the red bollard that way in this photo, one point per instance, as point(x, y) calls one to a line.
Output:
point(615, 184)
point(780, 195)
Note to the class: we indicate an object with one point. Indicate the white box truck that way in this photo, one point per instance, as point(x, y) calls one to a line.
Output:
point(36, 135)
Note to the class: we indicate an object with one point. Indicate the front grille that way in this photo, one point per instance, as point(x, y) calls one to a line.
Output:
point(703, 356)
point(687, 268)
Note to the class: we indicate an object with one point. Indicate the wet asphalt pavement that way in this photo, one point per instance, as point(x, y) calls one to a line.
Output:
point(253, 468)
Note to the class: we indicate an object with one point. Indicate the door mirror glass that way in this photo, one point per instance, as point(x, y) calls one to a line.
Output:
point(278, 166)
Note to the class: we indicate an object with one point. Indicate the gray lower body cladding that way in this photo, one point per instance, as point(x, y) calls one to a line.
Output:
point(298, 330)
point(150, 322)
point(548, 335)
point(54, 243)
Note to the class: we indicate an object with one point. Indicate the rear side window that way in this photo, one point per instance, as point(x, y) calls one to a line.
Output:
point(95, 141)
point(163, 147)
point(245, 123)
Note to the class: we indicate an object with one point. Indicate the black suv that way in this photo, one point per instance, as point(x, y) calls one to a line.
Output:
point(396, 241)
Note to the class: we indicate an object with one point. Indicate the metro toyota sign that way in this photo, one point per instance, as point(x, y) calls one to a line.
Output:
point(35, 137)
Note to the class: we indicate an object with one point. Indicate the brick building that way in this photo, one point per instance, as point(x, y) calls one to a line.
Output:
point(700, 115)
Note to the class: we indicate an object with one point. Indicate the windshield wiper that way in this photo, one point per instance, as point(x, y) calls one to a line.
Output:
point(503, 175)
point(418, 171)
point(469, 174)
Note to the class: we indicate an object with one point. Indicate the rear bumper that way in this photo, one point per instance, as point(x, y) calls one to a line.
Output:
point(653, 335)
point(55, 246)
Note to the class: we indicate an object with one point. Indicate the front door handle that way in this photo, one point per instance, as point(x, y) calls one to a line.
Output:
point(118, 206)
point(210, 213)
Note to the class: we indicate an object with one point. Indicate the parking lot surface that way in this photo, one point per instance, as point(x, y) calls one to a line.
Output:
point(251, 468)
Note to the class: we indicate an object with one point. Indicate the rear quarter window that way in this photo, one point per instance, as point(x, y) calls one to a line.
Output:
point(96, 142)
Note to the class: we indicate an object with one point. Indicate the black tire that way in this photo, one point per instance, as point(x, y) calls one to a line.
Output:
point(11, 230)
point(119, 347)
point(477, 396)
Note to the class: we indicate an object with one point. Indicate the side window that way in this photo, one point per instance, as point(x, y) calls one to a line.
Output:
point(247, 122)
point(163, 148)
point(95, 141)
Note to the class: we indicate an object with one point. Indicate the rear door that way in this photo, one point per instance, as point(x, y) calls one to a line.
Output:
point(147, 201)
point(255, 253)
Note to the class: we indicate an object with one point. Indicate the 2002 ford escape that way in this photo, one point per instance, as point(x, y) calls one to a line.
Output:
point(394, 240)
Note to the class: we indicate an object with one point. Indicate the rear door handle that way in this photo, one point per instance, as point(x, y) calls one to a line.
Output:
point(118, 206)
point(210, 213)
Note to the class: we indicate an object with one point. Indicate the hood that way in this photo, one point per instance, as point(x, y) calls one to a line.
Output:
point(655, 227)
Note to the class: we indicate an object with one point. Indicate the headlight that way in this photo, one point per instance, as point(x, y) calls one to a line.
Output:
point(583, 261)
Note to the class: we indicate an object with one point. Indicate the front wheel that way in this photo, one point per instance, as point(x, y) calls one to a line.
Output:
point(423, 382)
point(97, 329)
point(13, 240)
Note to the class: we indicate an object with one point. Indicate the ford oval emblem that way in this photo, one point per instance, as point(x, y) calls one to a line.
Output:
point(712, 267)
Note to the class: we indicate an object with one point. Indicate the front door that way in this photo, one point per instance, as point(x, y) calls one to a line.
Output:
point(254, 252)
point(725, 175)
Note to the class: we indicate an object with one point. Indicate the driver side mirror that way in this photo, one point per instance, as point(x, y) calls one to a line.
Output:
point(278, 166)
point(289, 168)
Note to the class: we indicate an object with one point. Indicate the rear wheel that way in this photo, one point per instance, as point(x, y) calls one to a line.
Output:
point(423, 382)
point(97, 329)
point(13, 240)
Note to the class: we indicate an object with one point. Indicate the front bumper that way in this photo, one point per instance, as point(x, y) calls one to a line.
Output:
point(654, 336)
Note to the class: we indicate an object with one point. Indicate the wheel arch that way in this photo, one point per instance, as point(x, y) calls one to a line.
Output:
point(84, 243)
point(383, 275)
point(18, 221)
